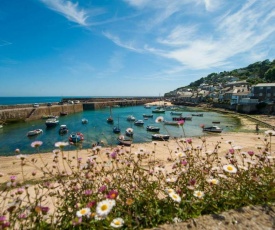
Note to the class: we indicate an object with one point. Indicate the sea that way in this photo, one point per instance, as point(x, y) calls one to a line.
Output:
point(14, 136)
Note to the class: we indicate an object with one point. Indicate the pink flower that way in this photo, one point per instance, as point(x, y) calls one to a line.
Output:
point(189, 140)
point(231, 151)
point(112, 194)
point(102, 188)
point(181, 122)
point(250, 153)
point(12, 178)
point(88, 192)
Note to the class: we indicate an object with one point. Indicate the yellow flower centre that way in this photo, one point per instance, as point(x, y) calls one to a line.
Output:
point(83, 211)
point(117, 222)
point(113, 196)
point(104, 207)
point(230, 168)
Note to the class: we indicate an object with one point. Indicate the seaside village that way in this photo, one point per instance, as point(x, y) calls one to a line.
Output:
point(233, 95)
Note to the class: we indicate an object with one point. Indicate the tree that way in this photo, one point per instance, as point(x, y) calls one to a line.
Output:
point(270, 74)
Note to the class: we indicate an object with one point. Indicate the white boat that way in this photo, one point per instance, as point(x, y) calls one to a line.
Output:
point(152, 128)
point(160, 137)
point(51, 122)
point(171, 122)
point(139, 122)
point(131, 118)
point(147, 107)
point(158, 111)
point(213, 129)
point(129, 132)
point(34, 132)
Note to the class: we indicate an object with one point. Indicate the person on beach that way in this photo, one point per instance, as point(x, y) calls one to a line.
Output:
point(257, 128)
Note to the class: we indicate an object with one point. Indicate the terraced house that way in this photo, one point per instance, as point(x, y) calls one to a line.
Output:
point(264, 92)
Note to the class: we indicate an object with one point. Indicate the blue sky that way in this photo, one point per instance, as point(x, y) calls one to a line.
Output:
point(127, 47)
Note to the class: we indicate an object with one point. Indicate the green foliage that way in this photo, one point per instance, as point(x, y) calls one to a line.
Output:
point(270, 74)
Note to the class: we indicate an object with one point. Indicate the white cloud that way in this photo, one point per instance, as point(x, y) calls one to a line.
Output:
point(69, 10)
point(4, 43)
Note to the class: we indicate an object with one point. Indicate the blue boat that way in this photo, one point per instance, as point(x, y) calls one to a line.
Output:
point(76, 137)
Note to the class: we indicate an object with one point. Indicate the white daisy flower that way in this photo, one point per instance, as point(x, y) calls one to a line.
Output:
point(83, 212)
point(213, 181)
point(180, 154)
point(21, 156)
point(270, 132)
point(171, 179)
point(159, 119)
point(230, 168)
point(117, 223)
point(104, 207)
point(61, 144)
point(198, 194)
point(237, 147)
point(175, 197)
point(170, 190)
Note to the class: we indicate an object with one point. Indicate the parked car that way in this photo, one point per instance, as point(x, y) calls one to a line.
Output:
point(70, 102)
point(77, 102)
point(49, 104)
point(60, 103)
point(35, 105)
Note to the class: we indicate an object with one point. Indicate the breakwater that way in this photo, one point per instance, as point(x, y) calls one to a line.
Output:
point(26, 112)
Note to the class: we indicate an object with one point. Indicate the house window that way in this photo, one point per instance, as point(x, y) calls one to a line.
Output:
point(260, 94)
point(268, 87)
point(261, 87)
point(268, 95)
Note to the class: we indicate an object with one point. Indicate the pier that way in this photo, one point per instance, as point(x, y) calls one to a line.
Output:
point(27, 112)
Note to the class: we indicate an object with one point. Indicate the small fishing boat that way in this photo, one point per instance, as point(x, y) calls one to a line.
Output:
point(182, 118)
point(197, 114)
point(49, 117)
point(148, 115)
point(147, 107)
point(216, 122)
point(139, 123)
point(158, 111)
point(160, 137)
point(84, 121)
point(129, 132)
point(110, 118)
point(176, 113)
point(213, 129)
point(151, 128)
point(170, 122)
point(76, 137)
point(63, 113)
point(34, 132)
point(116, 129)
point(122, 141)
point(52, 122)
point(63, 129)
point(131, 118)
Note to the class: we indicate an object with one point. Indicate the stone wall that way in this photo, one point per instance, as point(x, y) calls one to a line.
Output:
point(30, 113)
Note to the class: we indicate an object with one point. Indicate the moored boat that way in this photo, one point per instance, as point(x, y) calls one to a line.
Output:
point(129, 132)
point(158, 111)
point(213, 129)
point(131, 118)
point(76, 137)
point(152, 128)
point(34, 132)
point(148, 115)
point(122, 141)
point(51, 122)
point(160, 137)
point(176, 113)
point(116, 129)
point(216, 122)
point(182, 118)
point(84, 121)
point(63, 129)
point(170, 122)
point(197, 114)
point(139, 123)
point(63, 113)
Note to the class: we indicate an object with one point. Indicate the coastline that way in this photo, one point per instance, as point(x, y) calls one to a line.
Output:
point(246, 137)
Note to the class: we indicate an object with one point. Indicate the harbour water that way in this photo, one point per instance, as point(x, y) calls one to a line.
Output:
point(13, 136)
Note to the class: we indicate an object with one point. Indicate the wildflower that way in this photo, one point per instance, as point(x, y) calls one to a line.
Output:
point(61, 144)
point(189, 141)
point(159, 119)
point(17, 150)
point(36, 144)
point(198, 194)
point(242, 167)
point(129, 201)
point(172, 179)
point(21, 157)
point(232, 151)
point(112, 194)
point(184, 162)
point(229, 142)
point(104, 207)
point(237, 147)
point(180, 154)
point(170, 190)
point(113, 155)
point(177, 220)
point(117, 223)
point(102, 188)
point(181, 122)
point(250, 153)
point(77, 221)
point(230, 168)
point(175, 197)
point(213, 181)
point(270, 132)
point(83, 212)
point(88, 192)
point(12, 178)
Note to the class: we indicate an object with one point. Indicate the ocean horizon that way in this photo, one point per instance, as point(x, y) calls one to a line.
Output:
point(45, 99)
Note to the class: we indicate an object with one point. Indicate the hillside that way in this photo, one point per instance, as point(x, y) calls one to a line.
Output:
point(258, 72)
